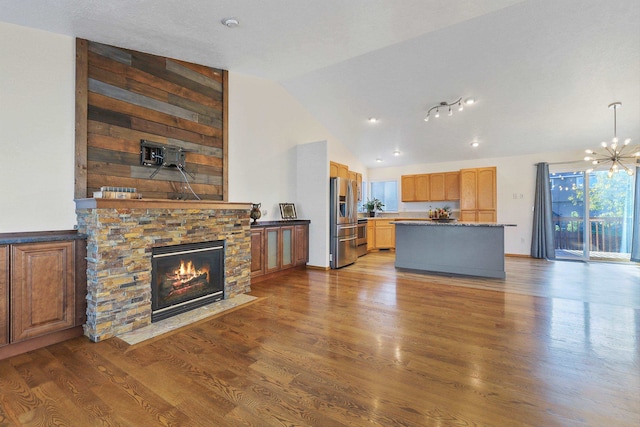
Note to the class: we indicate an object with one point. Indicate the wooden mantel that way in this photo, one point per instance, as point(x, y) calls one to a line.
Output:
point(157, 204)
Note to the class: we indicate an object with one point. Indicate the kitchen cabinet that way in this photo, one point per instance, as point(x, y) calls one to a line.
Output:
point(452, 186)
point(382, 235)
point(338, 170)
point(430, 187)
point(415, 188)
point(478, 195)
point(436, 187)
point(42, 289)
point(277, 246)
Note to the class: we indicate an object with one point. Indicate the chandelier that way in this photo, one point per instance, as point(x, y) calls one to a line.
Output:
point(448, 105)
point(614, 155)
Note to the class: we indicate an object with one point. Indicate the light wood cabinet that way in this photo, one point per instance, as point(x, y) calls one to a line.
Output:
point(333, 170)
point(277, 246)
point(43, 289)
point(430, 187)
point(436, 186)
point(408, 191)
point(478, 195)
point(381, 234)
point(452, 186)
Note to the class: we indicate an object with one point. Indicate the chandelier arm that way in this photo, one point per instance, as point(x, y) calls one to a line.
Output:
point(444, 104)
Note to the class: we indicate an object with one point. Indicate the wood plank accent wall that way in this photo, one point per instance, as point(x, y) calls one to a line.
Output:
point(124, 96)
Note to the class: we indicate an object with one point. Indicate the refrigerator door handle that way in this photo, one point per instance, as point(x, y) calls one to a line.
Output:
point(348, 239)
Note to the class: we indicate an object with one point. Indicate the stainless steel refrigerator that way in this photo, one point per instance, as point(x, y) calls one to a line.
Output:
point(344, 222)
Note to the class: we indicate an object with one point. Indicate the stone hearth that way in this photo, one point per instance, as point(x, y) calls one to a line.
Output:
point(120, 236)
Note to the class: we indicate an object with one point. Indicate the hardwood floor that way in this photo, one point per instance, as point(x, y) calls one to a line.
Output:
point(554, 344)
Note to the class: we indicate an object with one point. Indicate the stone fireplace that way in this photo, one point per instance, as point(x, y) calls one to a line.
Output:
point(121, 237)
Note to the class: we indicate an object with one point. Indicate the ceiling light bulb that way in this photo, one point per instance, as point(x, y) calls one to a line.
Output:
point(587, 158)
point(588, 151)
point(627, 141)
point(474, 144)
point(450, 112)
point(437, 113)
point(379, 160)
point(615, 140)
point(629, 172)
point(595, 162)
point(604, 144)
point(460, 107)
point(470, 101)
point(373, 120)
point(396, 153)
point(230, 22)
point(426, 119)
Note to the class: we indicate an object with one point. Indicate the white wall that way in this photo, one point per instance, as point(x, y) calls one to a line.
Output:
point(266, 124)
point(37, 116)
point(515, 190)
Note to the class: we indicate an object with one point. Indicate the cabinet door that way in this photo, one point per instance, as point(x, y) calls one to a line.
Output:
point(42, 289)
point(468, 215)
point(371, 235)
point(436, 185)
point(408, 188)
point(333, 170)
point(468, 189)
point(302, 244)
point(423, 193)
point(452, 186)
point(343, 171)
point(257, 252)
point(286, 249)
point(4, 295)
point(385, 234)
point(272, 249)
point(486, 216)
point(486, 195)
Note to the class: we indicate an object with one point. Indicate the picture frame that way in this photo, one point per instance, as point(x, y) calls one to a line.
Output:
point(288, 211)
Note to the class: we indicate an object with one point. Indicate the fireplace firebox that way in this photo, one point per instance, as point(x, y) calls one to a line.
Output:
point(184, 277)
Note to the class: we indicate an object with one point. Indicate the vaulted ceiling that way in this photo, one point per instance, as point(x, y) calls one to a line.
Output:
point(542, 71)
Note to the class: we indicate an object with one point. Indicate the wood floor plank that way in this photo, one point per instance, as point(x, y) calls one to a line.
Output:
point(552, 344)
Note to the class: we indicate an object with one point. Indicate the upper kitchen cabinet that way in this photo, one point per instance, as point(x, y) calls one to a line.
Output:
point(478, 194)
point(431, 187)
point(338, 170)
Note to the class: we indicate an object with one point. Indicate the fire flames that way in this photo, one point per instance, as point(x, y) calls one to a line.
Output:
point(186, 273)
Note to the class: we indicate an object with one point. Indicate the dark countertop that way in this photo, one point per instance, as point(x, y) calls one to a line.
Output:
point(259, 223)
point(39, 236)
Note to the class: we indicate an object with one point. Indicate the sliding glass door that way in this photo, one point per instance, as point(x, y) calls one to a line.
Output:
point(592, 214)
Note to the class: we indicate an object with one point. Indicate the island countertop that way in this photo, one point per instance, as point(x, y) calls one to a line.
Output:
point(453, 223)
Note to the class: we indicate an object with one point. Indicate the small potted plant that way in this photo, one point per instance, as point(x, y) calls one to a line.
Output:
point(372, 206)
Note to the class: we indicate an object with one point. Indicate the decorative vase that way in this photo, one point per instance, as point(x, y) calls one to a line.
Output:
point(255, 212)
point(372, 214)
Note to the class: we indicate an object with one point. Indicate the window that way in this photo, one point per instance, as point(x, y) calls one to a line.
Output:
point(387, 193)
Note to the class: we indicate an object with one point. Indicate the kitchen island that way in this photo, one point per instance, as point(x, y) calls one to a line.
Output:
point(466, 248)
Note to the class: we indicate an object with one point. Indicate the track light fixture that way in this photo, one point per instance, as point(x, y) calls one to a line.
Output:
point(614, 155)
point(448, 105)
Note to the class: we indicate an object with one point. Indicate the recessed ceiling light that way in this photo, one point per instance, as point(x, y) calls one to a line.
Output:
point(230, 22)
point(379, 160)
point(396, 153)
point(474, 144)
point(373, 120)
point(469, 101)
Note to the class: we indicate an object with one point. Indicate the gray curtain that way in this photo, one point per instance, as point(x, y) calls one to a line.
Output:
point(542, 245)
point(635, 239)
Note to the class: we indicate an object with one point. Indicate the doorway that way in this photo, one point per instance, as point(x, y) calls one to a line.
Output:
point(592, 215)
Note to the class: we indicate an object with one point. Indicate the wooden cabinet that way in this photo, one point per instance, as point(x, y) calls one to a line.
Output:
point(430, 187)
point(278, 246)
point(338, 170)
point(452, 186)
point(478, 195)
point(436, 186)
point(301, 241)
point(42, 289)
point(408, 191)
point(4, 295)
point(381, 234)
